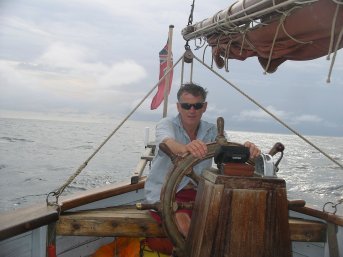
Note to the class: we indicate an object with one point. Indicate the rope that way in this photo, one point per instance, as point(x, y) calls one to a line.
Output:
point(332, 205)
point(331, 43)
point(60, 190)
point(227, 55)
point(243, 41)
point(182, 70)
point(337, 1)
point(203, 54)
point(190, 18)
point(271, 114)
point(332, 34)
point(191, 74)
point(273, 44)
point(281, 24)
point(334, 56)
point(289, 35)
point(202, 42)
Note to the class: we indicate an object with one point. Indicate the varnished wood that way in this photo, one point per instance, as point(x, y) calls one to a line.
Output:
point(296, 203)
point(329, 217)
point(332, 240)
point(243, 183)
point(25, 219)
point(205, 219)
point(307, 231)
point(237, 169)
point(248, 218)
point(118, 221)
point(128, 221)
point(97, 194)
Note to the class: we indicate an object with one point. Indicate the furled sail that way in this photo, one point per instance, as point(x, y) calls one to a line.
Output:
point(272, 30)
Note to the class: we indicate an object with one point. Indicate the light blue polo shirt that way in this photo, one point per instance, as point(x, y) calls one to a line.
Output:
point(171, 127)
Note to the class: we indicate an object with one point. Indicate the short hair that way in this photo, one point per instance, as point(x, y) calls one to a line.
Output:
point(192, 89)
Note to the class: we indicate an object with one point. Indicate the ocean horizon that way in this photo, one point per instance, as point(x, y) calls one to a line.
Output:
point(38, 156)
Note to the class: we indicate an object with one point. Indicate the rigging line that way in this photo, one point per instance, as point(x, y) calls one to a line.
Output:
point(191, 73)
point(59, 191)
point(335, 53)
point(202, 42)
point(182, 70)
point(281, 24)
point(332, 35)
point(337, 1)
point(190, 21)
point(282, 19)
point(190, 18)
point(271, 114)
point(227, 55)
point(331, 43)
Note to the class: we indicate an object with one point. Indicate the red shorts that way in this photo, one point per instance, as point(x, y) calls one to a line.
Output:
point(184, 195)
point(164, 245)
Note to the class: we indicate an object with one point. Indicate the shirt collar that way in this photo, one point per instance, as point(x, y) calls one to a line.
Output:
point(203, 127)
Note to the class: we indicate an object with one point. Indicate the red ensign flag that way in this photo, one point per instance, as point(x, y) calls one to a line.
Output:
point(158, 98)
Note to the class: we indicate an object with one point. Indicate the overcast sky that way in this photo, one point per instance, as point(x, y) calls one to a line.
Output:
point(95, 60)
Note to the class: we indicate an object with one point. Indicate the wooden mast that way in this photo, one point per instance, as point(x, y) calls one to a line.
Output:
point(169, 65)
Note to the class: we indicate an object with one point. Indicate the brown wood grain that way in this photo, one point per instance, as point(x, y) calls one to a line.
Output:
point(127, 221)
point(117, 221)
point(250, 218)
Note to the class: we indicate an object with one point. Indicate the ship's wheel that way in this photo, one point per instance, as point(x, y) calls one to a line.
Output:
point(183, 166)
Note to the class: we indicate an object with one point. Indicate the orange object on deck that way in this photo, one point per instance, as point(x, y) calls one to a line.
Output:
point(51, 250)
point(121, 247)
point(126, 247)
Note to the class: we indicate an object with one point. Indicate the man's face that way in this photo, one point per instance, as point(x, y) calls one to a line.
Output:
point(192, 116)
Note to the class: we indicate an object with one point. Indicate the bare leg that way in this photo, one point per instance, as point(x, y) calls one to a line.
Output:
point(183, 222)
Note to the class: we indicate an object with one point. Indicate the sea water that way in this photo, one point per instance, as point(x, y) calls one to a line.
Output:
point(38, 156)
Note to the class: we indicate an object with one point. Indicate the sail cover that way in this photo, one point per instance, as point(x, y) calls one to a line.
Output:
point(287, 30)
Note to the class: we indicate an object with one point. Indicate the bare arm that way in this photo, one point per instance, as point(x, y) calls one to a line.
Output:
point(254, 150)
point(197, 148)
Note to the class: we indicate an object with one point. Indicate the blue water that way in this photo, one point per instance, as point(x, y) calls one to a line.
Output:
point(38, 156)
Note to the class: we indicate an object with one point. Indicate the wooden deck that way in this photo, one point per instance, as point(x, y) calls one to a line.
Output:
point(128, 221)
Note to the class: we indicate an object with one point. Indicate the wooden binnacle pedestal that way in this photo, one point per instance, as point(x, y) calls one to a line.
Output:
point(239, 217)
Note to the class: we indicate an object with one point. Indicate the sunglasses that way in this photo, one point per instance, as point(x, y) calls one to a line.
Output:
point(188, 106)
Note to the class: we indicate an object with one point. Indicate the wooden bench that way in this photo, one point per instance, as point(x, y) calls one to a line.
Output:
point(116, 221)
point(128, 221)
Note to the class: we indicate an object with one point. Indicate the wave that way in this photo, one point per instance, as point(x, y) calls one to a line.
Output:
point(85, 147)
point(54, 154)
point(80, 147)
point(338, 188)
point(73, 188)
point(14, 140)
point(335, 190)
point(32, 179)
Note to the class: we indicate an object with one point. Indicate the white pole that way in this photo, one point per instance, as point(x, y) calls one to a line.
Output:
point(146, 136)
